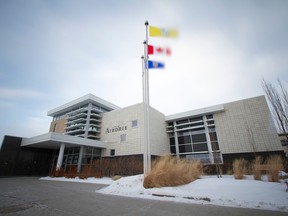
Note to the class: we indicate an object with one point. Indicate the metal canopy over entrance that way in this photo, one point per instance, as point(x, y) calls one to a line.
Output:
point(59, 141)
point(54, 141)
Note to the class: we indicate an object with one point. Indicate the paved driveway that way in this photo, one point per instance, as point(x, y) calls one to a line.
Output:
point(33, 197)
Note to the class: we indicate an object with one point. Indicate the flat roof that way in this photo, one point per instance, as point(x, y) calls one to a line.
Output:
point(82, 101)
point(54, 140)
point(197, 112)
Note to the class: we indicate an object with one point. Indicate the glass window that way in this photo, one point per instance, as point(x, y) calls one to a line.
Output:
point(173, 149)
point(196, 129)
point(209, 116)
point(112, 152)
point(213, 136)
point(171, 134)
point(134, 123)
point(170, 124)
point(84, 160)
point(88, 150)
point(64, 159)
point(197, 124)
point(182, 121)
point(75, 159)
point(183, 133)
point(172, 141)
point(97, 151)
point(76, 150)
point(215, 146)
point(210, 122)
point(185, 148)
point(196, 119)
point(199, 138)
point(180, 133)
point(200, 147)
point(184, 139)
point(123, 137)
point(211, 129)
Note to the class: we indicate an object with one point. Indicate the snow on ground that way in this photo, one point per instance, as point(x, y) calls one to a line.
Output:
point(225, 191)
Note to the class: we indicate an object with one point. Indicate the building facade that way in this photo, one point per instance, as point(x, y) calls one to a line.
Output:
point(123, 132)
point(221, 133)
point(90, 129)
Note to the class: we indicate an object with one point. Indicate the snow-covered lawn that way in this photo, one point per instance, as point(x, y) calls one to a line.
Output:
point(225, 191)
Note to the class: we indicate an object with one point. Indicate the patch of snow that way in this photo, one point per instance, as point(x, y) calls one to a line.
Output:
point(225, 191)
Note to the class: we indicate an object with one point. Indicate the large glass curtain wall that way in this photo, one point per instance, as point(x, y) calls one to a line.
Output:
point(90, 154)
point(72, 155)
point(192, 135)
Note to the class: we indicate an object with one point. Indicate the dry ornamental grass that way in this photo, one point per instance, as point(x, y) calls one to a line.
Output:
point(168, 171)
point(275, 164)
point(239, 168)
point(272, 166)
point(257, 168)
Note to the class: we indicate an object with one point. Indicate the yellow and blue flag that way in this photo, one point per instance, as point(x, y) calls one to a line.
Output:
point(162, 32)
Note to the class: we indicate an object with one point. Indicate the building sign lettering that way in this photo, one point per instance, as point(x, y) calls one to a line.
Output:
point(116, 129)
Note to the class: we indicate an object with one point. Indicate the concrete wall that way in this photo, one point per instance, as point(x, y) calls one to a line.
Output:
point(119, 122)
point(246, 126)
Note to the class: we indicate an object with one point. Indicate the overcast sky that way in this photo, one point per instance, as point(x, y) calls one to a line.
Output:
point(54, 51)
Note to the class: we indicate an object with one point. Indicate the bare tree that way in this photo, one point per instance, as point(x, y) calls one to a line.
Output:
point(279, 103)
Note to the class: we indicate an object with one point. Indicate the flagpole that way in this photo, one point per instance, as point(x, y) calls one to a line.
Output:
point(147, 105)
point(145, 114)
point(153, 31)
point(148, 119)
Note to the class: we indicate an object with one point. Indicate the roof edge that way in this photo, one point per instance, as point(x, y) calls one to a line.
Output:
point(197, 112)
point(82, 99)
point(57, 137)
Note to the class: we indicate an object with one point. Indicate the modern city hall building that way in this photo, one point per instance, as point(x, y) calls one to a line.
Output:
point(91, 129)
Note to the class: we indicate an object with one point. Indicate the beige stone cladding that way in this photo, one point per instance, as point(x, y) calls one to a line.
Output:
point(246, 126)
point(58, 126)
point(159, 137)
point(119, 122)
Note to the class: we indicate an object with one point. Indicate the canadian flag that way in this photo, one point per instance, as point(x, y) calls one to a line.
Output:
point(156, 50)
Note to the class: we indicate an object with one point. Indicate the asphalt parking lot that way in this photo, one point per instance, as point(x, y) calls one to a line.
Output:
point(33, 197)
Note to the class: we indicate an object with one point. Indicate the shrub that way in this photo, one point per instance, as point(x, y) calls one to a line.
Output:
point(85, 172)
point(257, 168)
point(72, 172)
point(168, 171)
point(98, 175)
point(239, 168)
point(56, 173)
point(275, 164)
